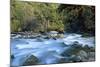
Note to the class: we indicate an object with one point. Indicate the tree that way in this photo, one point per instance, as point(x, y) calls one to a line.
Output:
point(78, 18)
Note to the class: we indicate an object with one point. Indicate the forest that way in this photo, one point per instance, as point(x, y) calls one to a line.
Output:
point(36, 17)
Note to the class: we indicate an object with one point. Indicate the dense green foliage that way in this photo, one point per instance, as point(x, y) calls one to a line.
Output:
point(78, 18)
point(29, 16)
point(33, 16)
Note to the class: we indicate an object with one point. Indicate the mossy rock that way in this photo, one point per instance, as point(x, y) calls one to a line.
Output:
point(88, 49)
point(32, 60)
point(73, 50)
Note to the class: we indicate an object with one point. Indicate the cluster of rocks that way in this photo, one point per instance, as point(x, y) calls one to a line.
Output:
point(25, 35)
point(55, 34)
point(79, 53)
point(76, 53)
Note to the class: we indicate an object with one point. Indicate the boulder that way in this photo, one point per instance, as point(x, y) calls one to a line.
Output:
point(60, 35)
point(91, 56)
point(83, 55)
point(53, 34)
point(75, 58)
point(31, 60)
point(67, 52)
point(75, 43)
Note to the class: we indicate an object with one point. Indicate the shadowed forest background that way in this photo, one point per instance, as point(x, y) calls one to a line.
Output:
point(44, 17)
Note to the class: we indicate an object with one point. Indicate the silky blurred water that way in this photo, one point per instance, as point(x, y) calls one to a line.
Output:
point(48, 50)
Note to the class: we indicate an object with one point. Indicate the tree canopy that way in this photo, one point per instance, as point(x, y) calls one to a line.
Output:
point(37, 16)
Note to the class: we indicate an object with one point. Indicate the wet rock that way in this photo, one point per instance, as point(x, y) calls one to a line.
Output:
point(91, 56)
point(46, 38)
point(52, 34)
point(75, 58)
point(76, 44)
point(12, 57)
point(60, 35)
point(86, 46)
point(83, 55)
point(92, 49)
point(88, 49)
point(54, 38)
point(67, 52)
point(31, 60)
point(42, 32)
point(70, 51)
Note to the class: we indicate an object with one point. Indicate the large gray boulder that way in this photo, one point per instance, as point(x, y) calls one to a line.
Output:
point(72, 50)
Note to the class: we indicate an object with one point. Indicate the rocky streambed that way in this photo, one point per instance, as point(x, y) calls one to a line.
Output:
point(44, 50)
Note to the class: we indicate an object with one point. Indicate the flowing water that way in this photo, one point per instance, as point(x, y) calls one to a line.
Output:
point(48, 51)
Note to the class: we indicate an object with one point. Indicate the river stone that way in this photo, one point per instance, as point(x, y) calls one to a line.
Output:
point(12, 57)
point(60, 36)
point(32, 60)
point(46, 38)
point(83, 55)
point(67, 52)
point(91, 56)
point(75, 58)
point(76, 44)
point(53, 34)
point(73, 50)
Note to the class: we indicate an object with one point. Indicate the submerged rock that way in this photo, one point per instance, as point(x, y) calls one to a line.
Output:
point(46, 38)
point(32, 60)
point(12, 57)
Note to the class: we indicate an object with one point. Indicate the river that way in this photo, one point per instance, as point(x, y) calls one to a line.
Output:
point(46, 50)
